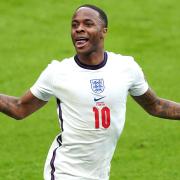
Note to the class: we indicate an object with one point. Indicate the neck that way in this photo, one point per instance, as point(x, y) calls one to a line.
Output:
point(93, 58)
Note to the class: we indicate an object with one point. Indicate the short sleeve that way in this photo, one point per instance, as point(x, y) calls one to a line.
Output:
point(139, 85)
point(43, 87)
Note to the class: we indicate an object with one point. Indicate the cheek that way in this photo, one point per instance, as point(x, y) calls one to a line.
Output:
point(97, 34)
point(101, 36)
point(73, 31)
point(72, 37)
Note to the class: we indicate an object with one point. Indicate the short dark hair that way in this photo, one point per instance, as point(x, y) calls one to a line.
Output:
point(102, 14)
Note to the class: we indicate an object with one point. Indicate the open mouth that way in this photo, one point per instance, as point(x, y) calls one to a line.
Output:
point(81, 42)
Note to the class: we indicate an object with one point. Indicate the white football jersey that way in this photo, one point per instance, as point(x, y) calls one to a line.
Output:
point(91, 108)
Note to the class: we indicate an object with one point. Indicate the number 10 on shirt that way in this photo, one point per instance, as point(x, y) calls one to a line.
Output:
point(102, 116)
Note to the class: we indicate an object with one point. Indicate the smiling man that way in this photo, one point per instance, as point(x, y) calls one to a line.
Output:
point(88, 32)
point(91, 90)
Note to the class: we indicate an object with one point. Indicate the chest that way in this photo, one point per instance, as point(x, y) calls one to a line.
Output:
point(84, 87)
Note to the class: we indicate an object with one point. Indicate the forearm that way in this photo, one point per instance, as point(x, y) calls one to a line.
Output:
point(157, 106)
point(10, 106)
point(166, 109)
point(20, 108)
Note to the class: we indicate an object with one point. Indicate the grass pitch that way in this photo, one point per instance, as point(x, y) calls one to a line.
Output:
point(32, 33)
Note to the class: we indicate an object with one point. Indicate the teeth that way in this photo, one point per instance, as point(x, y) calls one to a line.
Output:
point(81, 40)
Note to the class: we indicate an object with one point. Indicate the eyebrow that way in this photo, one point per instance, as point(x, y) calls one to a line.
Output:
point(75, 20)
point(88, 19)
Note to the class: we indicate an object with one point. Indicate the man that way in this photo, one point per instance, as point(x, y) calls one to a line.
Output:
point(91, 89)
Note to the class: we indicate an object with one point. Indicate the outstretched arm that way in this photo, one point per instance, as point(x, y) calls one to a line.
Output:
point(157, 106)
point(19, 108)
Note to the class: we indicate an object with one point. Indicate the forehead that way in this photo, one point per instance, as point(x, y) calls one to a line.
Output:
point(86, 13)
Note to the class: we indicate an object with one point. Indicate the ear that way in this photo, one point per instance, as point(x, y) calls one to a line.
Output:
point(104, 31)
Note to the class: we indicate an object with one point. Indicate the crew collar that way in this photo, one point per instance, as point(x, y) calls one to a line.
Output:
point(91, 67)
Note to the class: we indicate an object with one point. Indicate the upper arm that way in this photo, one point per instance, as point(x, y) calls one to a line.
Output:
point(28, 103)
point(148, 101)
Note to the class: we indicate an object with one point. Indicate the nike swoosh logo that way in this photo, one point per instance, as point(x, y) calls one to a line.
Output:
point(97, 99)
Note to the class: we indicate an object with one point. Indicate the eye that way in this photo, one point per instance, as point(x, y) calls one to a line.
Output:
point(88, 23)
point(74, 25)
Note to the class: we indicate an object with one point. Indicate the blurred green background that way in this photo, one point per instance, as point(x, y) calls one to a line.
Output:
point(32, 33)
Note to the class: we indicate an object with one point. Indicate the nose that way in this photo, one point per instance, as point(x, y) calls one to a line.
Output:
point(80, 28)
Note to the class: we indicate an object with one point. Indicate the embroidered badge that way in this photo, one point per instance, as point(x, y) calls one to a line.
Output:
point(97, 85)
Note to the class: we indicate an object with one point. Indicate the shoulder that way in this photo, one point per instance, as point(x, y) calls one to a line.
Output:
point(61, 65)
point(63, 62)
point(121, 60)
